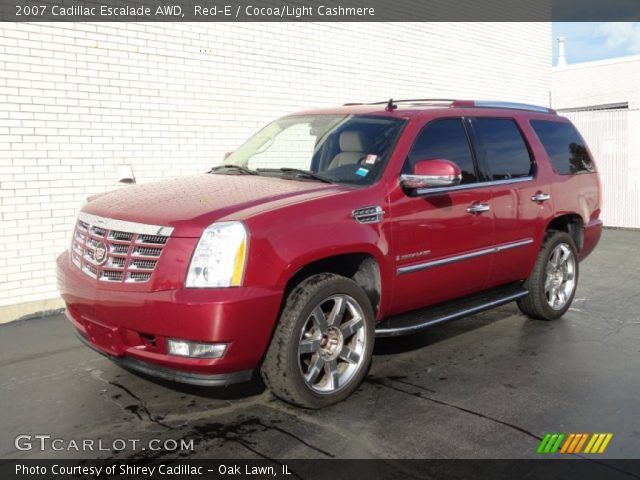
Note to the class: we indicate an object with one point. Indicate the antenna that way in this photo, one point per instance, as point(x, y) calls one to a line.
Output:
point(390, 106)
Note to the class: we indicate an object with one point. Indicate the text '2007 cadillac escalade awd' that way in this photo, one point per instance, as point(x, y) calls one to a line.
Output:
point(328, 228)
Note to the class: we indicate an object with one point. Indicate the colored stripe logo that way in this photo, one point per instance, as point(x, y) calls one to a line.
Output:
point(574, 443)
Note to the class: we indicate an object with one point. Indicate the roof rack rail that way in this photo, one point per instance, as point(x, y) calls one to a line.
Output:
point(510, 106)
point(467, 104)
point(386, 102)
point(409, 100)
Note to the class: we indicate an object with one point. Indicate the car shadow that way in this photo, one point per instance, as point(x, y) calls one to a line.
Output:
point(383, 347)
point(236, 391)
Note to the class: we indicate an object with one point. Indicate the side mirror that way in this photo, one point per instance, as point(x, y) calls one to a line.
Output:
point(432, 174)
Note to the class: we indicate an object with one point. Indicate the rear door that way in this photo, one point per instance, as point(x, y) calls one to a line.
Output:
point(508, 164)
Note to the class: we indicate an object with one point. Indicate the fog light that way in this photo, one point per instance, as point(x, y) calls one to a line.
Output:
point(183, 348)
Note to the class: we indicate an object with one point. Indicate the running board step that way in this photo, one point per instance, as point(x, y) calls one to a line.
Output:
point(408, 323)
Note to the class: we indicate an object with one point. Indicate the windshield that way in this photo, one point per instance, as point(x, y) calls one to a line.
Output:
point(337, 148)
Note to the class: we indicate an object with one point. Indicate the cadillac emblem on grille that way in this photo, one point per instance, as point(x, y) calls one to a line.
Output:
point(101, 253)
point(117, 251)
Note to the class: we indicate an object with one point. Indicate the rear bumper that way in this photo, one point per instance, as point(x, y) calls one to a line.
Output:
point(132, 327)
point(592, 233)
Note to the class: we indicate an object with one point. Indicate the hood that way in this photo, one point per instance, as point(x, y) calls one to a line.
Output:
point(191, 203)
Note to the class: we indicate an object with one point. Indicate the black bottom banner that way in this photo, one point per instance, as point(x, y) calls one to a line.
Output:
point(188, 469)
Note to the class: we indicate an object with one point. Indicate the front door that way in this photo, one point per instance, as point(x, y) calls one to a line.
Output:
point(441, 240)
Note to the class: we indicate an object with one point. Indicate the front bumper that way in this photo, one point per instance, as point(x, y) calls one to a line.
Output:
point(201, 379)
point(132, 327)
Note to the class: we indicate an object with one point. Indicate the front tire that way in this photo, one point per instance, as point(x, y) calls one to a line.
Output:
point(554, 279)
point(322, 346)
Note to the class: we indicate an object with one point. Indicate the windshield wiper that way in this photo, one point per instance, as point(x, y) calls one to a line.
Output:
point(237, 168)
point(299, 171)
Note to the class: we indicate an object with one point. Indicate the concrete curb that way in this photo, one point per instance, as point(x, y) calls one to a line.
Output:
point(29, 310)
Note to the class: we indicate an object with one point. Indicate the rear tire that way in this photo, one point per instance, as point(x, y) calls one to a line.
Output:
point(554, 279)
point(322, 345)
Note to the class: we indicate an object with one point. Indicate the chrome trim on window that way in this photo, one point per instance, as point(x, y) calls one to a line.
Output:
point(467, 186)
point(125, 226)
point(464, 256)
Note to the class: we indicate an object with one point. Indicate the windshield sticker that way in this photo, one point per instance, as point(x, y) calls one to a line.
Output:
point(363, 172)
point(370, 159)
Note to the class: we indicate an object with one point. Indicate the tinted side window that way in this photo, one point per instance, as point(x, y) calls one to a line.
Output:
point(443, 139)
point(563, 145)
point(501, 145)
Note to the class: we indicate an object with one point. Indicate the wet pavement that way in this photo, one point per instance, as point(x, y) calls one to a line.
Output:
point(487, 386)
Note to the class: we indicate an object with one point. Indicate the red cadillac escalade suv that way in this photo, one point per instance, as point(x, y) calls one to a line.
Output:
point(328, 228)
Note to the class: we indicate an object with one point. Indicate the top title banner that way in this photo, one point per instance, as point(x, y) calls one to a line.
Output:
point(316, 10)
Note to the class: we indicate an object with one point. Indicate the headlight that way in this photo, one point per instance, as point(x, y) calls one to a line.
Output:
point(219, 258)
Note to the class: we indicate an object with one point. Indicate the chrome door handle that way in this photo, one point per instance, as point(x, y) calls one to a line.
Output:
point(478, 208)
point(541, 197)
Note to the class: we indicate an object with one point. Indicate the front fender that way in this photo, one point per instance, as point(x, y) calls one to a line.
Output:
point(279, 249)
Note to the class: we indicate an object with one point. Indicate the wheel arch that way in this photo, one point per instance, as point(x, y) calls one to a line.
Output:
point(571, 223)
point(362, 267)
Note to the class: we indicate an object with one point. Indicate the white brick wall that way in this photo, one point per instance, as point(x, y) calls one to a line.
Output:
point(613, 136)
point(610, 81)
point(77, 100)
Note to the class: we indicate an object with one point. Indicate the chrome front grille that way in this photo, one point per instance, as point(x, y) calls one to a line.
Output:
point(146, 252)
point(157, 239)
point(143, 264)
point(121, 249)
point(115, 250)
point(121, 236)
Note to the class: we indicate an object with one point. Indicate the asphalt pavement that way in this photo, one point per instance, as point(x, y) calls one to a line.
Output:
point(487, 386)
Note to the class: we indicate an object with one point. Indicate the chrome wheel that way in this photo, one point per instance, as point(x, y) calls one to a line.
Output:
point(332, 344)
point(560, 276)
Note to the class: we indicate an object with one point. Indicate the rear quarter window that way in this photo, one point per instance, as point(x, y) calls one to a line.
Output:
point(564, 146)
